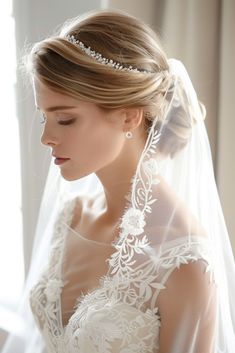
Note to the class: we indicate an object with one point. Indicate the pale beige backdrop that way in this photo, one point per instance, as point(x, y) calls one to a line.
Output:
point(201, 34)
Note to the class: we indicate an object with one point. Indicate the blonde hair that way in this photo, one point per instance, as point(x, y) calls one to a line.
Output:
point(65, 68)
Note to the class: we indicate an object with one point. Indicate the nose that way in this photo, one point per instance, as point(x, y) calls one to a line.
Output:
point(48, 139)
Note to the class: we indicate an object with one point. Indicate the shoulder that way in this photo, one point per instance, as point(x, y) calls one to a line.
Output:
point(173, 211)
point(190, 284)
point(189, 304)
point(185, 267)
point(187, 254)
point(190, 276)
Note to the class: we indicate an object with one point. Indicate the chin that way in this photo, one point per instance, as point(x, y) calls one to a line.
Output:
point(73, 177)
point(70, 177)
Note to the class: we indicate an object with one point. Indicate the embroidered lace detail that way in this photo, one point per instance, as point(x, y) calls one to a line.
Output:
point(133, 221)
point(106, 327)
point(45, 295)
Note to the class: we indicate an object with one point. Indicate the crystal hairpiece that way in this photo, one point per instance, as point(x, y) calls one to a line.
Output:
point(98, 57)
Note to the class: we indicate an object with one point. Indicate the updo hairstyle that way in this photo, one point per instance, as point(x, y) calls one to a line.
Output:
point(66, 69)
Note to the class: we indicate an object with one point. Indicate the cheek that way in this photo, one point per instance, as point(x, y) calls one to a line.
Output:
point(109, 147)
point(100, 146)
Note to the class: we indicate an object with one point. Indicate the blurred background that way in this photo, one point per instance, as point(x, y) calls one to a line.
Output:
point(199, 33)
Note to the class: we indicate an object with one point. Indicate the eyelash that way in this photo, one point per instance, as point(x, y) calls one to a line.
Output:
point(62, 122)
point(66, 122)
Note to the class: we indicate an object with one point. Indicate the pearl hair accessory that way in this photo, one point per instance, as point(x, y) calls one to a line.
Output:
point(98, 57)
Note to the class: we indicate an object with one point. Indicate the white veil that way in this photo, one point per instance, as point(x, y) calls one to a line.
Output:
point(172, 229)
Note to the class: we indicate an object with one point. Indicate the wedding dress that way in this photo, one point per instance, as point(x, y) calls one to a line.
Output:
point(115, 316)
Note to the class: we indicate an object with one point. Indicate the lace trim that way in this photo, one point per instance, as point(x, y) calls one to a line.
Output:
point(44, 297)
point(137, 287)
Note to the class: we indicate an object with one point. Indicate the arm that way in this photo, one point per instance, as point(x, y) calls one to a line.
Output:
point(188, 308)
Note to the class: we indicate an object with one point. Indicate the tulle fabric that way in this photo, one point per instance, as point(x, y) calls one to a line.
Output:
point(165, 282)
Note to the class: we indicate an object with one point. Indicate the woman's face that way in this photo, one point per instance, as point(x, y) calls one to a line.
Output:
point(80, 131)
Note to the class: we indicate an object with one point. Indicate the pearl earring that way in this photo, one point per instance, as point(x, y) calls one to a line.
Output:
point(129, 135)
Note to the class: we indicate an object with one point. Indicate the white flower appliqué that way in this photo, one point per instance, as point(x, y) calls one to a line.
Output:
point(151, 168)
point(53, 289)
point(133, 221)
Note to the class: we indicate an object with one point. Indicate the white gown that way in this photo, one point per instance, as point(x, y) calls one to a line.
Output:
point(81, 306)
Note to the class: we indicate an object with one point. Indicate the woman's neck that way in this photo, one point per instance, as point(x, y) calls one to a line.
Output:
point(116, 178)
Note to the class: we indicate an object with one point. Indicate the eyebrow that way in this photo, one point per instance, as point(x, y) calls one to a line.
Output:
point(58, 107)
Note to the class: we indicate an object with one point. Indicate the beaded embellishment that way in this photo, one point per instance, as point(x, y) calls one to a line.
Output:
point(98, 57)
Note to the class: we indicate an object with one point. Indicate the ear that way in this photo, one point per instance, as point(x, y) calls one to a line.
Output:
point(132, 119)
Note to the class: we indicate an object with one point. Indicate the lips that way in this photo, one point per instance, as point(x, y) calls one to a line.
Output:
point(61, 160)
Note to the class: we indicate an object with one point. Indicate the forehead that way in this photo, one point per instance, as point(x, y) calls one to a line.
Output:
point(45, 96)
point(47, 100)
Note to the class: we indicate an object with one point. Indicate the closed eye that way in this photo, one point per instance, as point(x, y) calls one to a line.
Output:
point(61, 122)
point(66, 122)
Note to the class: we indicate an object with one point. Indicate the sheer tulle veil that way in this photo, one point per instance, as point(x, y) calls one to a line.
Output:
point(177, 149)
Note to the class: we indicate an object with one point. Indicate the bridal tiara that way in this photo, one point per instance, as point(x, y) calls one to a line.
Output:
point(98, 57)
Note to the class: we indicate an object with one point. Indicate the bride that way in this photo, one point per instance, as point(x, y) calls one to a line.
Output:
point(131, 250)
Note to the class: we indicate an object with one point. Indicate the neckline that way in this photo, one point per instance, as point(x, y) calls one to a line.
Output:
point(87, 239)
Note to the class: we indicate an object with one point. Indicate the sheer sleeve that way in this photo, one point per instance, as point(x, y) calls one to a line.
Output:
point(188, 310)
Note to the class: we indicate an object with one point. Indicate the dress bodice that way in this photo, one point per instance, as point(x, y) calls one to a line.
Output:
point(118, 314)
